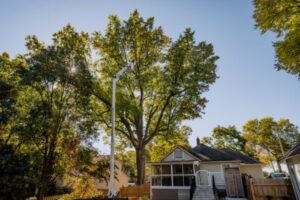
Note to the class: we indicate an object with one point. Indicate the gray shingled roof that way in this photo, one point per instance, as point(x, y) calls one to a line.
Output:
point(292, 152)
point(206, 153)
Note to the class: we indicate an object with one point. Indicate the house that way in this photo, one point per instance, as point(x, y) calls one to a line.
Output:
point(172, 177)
point(292, 159)
point(121, 180)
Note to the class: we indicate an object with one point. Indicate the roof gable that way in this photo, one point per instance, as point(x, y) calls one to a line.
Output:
point(187, 156)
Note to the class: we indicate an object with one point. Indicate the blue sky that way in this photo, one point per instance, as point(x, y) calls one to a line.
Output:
point(249, 86)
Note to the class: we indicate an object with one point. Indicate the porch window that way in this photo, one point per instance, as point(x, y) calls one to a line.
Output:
point(188, 180)
point(166, 181)
point(172, 175)
point(166, 169)
point(156, 180)
point(188, 169)
point(156, 169)
point(177, 169)
point(178, 180)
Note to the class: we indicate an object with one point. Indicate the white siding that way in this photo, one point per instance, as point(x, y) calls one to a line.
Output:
point(253, 170)
point(216, 167)
point(294, 169)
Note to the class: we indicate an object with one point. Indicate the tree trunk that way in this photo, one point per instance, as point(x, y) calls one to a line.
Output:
point(140, 162)
point(272, 165)
point(47, 168)
point(43, 183)
point(279, 166)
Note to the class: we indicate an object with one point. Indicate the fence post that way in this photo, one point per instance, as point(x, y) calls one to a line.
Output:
point(252, 189)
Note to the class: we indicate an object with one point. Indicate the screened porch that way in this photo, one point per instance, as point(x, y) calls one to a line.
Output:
point(172, 174)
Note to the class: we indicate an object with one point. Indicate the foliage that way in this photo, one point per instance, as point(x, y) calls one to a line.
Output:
point(85, 170)
point(54, 118)
point(266, 136)
point(266, 174)
point(41, 110)
point(128, 159)
point(15, 173)
point(207, 141)
point(88, 194)
point(283, 18)
point(227, 138)
point(165, 86)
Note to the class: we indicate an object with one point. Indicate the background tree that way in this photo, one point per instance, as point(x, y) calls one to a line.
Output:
point(15, 173)
point(16, 170)
point(85, 171)
point(227, 138)
point(52, 110)
point(164, 88)
point(265, 135)
point(207, 141)
point(10, 70)
point(283, 18)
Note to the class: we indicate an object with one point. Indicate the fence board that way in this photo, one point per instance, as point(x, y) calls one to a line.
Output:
point(261, 189)
point(135, 191)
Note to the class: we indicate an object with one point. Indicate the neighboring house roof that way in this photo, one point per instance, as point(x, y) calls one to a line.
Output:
point(206, 153)
point(292, 152)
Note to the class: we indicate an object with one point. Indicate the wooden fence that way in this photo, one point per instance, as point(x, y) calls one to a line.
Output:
point(264, 189)
point(56, 197)
point(135, 191)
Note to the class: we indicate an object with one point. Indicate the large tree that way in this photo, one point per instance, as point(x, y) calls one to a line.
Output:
point(53, 112)
point(270, 138)
point(165, 86)
point(283, 18)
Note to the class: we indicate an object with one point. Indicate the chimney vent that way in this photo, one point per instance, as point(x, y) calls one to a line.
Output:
point(198, 141)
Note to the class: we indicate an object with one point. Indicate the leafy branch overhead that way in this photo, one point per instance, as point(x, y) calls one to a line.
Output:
point(283, 18)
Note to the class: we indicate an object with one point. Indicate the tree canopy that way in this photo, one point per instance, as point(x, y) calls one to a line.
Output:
point(227, 138)
point(269, 138)
point(165, 86)
point(283, 18)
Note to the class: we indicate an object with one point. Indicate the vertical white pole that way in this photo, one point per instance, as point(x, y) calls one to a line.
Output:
point(112, 191)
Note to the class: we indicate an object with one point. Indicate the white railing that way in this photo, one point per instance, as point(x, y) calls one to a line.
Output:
point(204, 178)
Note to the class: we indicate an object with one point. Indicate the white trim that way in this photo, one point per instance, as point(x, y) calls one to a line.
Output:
point(221, 166)
point(172, 162)
point(171, 187)
point(290, 157)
